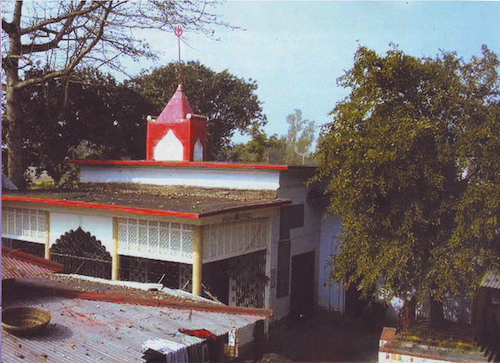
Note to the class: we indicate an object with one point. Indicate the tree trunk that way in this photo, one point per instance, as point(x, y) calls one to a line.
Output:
point(14, 108)
point(407, 314)
point(15, 139)
point(436, 310)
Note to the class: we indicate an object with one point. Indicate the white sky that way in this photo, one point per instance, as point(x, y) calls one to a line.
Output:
point(297, 49)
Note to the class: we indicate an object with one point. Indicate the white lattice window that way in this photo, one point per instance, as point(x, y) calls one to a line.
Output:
point(25, 224)
point(234, 238)
point(154, 239)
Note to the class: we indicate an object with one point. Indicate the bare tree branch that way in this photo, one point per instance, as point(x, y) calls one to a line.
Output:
point(73, 63)
point(60, 36)
point(78, 11)
point(54, 43)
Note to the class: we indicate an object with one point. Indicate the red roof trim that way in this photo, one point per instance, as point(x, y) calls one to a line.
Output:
point(23, 256)
point(134, 210)
point(180, 164)
point(143, 211)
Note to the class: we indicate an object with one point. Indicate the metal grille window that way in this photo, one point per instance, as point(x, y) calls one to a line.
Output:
point(234, 238)
point(155, 239)
point(25, 224)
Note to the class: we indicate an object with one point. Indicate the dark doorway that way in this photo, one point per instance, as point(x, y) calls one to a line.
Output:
point(216, 280)
point(81, 253)
point(302, 288)
point(354, 304)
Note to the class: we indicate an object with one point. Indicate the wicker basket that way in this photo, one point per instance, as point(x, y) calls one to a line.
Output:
point(25, 320)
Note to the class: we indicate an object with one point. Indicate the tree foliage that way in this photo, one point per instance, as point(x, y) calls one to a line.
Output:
point(290, 149)
point(411, 160)
point(299, 139)
point(260, 148)
point(102, 119)
point(229, 102)
point(58, 36)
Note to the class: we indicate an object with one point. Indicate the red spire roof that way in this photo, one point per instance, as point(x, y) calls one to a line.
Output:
point(177, 108)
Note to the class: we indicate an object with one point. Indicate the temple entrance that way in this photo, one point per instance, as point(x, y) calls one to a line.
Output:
point(82, 254)
point(302, 289)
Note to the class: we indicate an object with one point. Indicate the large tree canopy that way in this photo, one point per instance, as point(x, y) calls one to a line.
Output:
point(102, 119)
point(229, 102)
point(413, 169)
point(58, 36)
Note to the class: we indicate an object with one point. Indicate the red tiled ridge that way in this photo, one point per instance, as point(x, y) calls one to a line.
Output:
point(121, 298)
point(142, 211)
point(23, 256)
point(180, 164)
point(170, 303)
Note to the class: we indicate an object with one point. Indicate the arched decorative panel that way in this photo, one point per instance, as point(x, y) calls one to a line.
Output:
point(169, 148)
point(81, 253)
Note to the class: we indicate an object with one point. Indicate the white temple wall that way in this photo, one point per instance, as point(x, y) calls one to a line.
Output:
point(99, 226)
point(195, 177)
point(331, 295)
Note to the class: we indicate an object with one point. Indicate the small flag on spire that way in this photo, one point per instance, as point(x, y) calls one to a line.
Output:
point(178, 33)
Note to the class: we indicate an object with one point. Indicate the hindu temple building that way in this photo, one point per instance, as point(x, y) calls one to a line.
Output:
point(251, 235)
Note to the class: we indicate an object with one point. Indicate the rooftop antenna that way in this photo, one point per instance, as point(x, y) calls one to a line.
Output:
point(178, 31)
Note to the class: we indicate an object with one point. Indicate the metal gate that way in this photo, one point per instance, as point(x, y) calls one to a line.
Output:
point(81, 253)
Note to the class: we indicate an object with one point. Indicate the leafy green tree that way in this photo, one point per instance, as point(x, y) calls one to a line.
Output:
point(413, 169)
point(298, 140)
point(291, 149)
point(229, 102)
point(91, 117)
point(259, 149)
point(60, 36)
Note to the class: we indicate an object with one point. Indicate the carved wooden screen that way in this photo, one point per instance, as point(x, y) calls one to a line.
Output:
point(81, 253)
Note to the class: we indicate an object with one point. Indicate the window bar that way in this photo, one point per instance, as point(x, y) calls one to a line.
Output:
point(12, 214)
point(181, 237)
point(169, 224)
point(29, 223)
point(159, 236)
point(128, 234)
point(137, 229)
point(147, 237)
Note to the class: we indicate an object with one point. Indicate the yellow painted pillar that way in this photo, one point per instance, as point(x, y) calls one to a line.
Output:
point(115, 257)
point(197, 259)
point(47, 242)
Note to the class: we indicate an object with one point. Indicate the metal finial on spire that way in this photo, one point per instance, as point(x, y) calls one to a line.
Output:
point(178, 33)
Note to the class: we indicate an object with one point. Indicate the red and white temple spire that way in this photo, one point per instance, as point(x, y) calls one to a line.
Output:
point(177, 134)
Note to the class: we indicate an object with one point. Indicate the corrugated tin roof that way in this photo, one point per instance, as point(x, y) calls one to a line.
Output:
point(90, 331)
point(73, 290)
point(13, 268)
point(491, 280)
point(17, 264)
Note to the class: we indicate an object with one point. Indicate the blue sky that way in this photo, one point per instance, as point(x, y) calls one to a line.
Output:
point(297, 49)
